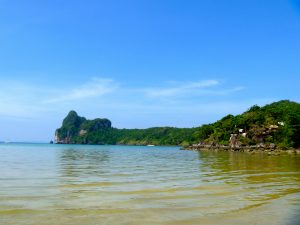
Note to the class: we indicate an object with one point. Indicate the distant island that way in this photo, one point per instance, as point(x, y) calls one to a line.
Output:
point(276, 125)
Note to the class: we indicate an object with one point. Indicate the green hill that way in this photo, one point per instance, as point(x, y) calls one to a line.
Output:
point(277, 123)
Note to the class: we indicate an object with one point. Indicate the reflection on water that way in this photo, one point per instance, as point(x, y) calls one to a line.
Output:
point(266, 177)
point(64, 184)
point(82, 162)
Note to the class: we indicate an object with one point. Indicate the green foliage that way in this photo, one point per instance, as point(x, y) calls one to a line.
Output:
point(255, 122)
point(202, 133)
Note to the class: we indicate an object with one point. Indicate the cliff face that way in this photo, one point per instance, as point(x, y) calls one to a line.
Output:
point(74, 127)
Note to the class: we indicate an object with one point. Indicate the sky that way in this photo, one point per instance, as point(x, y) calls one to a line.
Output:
point(142, 64)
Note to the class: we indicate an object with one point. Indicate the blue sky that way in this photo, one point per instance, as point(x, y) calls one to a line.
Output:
point(143, 63)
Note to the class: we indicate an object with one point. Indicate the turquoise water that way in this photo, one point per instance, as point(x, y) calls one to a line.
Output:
point(76, 184)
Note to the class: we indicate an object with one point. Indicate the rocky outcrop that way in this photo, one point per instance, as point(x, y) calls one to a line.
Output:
point(74, 126)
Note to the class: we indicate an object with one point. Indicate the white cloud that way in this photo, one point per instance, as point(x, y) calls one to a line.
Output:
point(179, 89)
point(20, 99)
point(201, 84)
point(94, 88)
point(28, 100)
point(206, 87)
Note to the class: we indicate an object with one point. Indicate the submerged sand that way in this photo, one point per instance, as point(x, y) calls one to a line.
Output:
point(134, 185)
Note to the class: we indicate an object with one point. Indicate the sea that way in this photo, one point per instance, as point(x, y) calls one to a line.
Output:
point(46, 184)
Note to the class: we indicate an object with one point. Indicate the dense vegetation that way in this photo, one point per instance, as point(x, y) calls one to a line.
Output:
point(79, 130)
point(277, 123)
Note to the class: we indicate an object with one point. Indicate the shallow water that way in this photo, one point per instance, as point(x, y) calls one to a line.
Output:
point(68, 184)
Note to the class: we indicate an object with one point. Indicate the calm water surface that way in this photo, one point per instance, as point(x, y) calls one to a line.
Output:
point(68, 184)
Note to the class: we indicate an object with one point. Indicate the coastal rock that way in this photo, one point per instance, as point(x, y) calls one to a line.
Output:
point(74, 127)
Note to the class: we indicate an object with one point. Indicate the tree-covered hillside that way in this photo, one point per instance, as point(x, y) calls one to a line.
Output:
point(79, 130)
point(277, 123)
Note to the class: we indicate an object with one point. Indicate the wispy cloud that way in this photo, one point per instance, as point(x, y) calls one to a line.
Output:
point(205, 87)
point(29, 100)
point(94, 88)
point(32, 100)
point(17, 99)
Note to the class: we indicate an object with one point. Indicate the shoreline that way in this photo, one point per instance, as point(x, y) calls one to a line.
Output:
point(269, 151)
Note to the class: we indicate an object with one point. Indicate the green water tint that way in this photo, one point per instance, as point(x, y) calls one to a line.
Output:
point(65, 184)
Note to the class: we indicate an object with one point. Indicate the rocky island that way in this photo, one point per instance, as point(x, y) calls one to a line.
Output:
point(273, 127)
point(79, 130)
